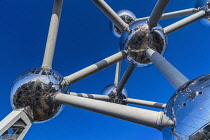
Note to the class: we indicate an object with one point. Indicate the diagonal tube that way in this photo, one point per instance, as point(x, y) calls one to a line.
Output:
point(52, 35)
point(174, 76)
point(174, 14)
point(124, 79)
point(157, 12)
point(107, 10)
point(145, 117)
point(77, 76)
point(184, 22)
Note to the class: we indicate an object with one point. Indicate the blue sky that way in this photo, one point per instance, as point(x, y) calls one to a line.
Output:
point(84, 38)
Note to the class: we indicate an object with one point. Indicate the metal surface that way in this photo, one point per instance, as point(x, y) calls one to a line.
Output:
point(141, 116)
point(174, 14)
point(107, 10)
point(189, 108)
point(140, 37)
point(52, 35)
point(157, 13)
point(34, 88)
point(184, 22)
point(15, 125)
point(175, 77)
point(73, 78)
point(127, 16)
point(145, 103)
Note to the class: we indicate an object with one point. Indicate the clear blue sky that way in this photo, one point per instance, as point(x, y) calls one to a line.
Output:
point(84, 38)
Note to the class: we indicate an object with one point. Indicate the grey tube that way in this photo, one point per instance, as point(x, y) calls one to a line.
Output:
point(52, 35)
point(157, 12)
point(75, 77)
point(125, 78)
point(107, 10)
point(174, 14)
point(91, 96)
point(145, 103)
point(184, 22)
point(174, 76)
point(140, 116)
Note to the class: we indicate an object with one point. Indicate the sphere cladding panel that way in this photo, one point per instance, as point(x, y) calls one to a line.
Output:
point(189, 109)
point(127, 16)
point(139, 38)
point(34, 89)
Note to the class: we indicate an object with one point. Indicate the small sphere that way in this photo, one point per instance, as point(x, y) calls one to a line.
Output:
point(139, 38)
point(34, 89)
point(189, 109)
point(127, 16)
point(204, 5)
point(110, 91)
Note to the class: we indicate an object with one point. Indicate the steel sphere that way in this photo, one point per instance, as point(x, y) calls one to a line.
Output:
point(114, 97)
point(34, 89)
point(138, 38)
point(127, 16)
point(204, 5)
point(108, 89)
point(189, 108)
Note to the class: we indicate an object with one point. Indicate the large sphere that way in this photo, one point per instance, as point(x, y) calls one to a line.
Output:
point(189, 108)
point(34, 89)
point(204, 5)
point(127, 16)
point(137, 39)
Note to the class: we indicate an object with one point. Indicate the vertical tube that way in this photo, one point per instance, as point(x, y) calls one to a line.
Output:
point(117, 73)
point(174, 76)
point(52, 34)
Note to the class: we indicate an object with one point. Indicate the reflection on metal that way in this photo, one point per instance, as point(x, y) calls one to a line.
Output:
point(34, 89)
point(189, 108)
point(127, 16)
point(110, 90)
point(140, 37)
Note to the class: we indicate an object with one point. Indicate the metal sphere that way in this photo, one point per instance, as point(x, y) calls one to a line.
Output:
point(114, 97)
point(204, 5)
point(34, 89)
point(189, 108)
point(138, 38)
point(127, 16)
point(108, 89)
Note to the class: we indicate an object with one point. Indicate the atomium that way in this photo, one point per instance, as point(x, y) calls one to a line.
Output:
point(34, 89)
point(189, 109)
point(141, 37)
point(37, 95)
